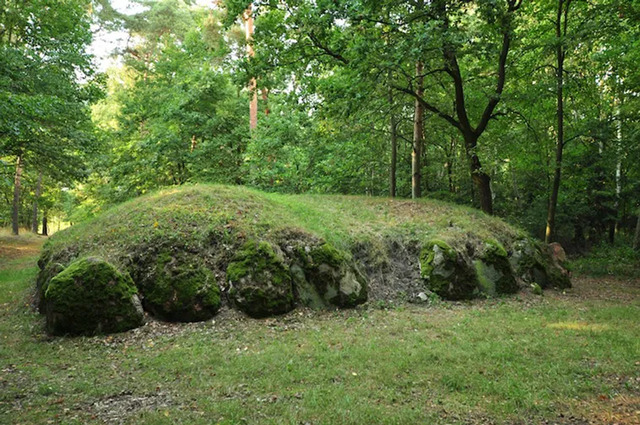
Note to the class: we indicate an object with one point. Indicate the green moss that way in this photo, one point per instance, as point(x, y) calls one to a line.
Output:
point(260, 281)
point(486, 278)
point(91, 296)
point(427, 254)
point(327, 254)
point(48, 272)
point(536, 289)
point(493, 248)
point(446, 272)
point(181, 290)
point(494, 271)
point(559, 278)
point(334, 277)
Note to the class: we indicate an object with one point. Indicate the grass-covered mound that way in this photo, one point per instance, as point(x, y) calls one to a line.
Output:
point(190, 248)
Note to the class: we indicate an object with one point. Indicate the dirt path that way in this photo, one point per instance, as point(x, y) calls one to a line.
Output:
point(16, 247)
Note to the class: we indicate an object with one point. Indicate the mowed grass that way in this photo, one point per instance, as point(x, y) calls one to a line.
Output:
point(519, 360)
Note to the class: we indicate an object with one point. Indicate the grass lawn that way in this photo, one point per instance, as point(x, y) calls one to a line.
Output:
point(570, 358)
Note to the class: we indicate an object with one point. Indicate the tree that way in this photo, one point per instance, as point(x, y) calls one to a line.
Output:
point(44, 119)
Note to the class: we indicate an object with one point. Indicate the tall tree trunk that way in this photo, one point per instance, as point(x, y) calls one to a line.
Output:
point(16, 197)
point(253, 86)
point(34, 221)
point(418, 135)
point(560, 55)
point(45, 228)
point(393, 128)
point(481, 180)
point(265, 99)
point(636, 239)
point(614, 225)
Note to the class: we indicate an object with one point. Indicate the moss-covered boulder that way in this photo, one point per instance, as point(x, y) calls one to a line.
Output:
point(91, 297)
point(330, 278)
point(180, 289)
point(447, 272)
point(495, 275)
point(533, 263)
point(259, 280)
point(49, 271)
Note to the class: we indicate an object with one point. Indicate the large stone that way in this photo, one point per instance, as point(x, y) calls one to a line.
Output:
point(91, 297)
point(534, 263)
point(180, 289)
point(495, 275)
point(259, 280)
point(330, 278)
point(49, 271)
point(447, 272)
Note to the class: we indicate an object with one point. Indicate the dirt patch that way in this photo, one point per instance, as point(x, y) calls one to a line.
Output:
point(117, 408)
point(14, 247)
point(619, 410)
point(607, 288)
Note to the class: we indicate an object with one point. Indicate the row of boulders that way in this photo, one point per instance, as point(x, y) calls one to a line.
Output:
point(490, 270)
point(90, 295)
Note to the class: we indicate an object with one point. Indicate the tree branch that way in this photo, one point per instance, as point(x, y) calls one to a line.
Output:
point(326, 49)
point(429, 107)
point(495, 99)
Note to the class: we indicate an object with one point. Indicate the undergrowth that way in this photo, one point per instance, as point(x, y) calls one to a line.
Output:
point(618, 260)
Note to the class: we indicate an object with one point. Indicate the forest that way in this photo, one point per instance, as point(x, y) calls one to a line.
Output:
point(525, 109)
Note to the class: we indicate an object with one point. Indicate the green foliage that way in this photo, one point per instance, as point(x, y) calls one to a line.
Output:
point(46, 84)
point(172, 115)
point(618, 260)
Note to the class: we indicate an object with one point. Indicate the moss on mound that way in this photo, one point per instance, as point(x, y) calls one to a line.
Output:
point(494, 271)
point(447, 272)
point(89, 297)
point(260, 281)
point(180, 289)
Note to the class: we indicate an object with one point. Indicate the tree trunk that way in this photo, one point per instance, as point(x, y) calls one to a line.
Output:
point(253, 89)
point(45, 228)
point(481, 180)
point(16, 197)
point(636, 239)
point(265, 99)
point(418, 135)
point(450, 156)
point(34, 221)
point(614, 225)
point(394, 147)
point(555, 189)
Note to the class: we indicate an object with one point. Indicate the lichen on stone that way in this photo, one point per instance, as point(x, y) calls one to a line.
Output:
point(334, 277)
